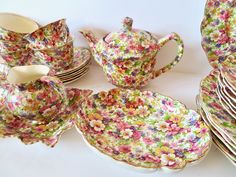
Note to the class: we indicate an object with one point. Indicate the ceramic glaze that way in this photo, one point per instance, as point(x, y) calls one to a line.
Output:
point(219, 30)
point(32, 131)
point(128, 56)
point(33, 94)
point(143, 129)
point(210, 102)
point(49, 36)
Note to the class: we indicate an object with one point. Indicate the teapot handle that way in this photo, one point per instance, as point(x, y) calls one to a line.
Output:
point(161, 43)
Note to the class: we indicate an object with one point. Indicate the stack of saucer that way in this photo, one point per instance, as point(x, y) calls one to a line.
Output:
point(78, 68)
point(217, 105)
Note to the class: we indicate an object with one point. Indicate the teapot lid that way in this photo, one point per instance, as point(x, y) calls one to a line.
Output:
point(127, 43)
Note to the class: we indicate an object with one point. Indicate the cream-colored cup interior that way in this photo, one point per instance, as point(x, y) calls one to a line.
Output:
point(17, 23)
point(24, 74)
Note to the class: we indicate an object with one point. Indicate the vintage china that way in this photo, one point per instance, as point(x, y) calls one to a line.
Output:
point(52, 35)
point(211, 104)
point(20, 57)
point(226, 101)
point(32, 94)
point(229, 64)
point(229, 78)
point(229, 88)
point(218, 134)
point(31, 131)
point(227, 107)
point(75, 73)
point(128, 56)
point(81, 57)
point(13, 27)
point(71, 80)
point(4, 69)
point(56, 58)
point(143, 129)
point(225, 151)
point(218, 30)
point(13, 47)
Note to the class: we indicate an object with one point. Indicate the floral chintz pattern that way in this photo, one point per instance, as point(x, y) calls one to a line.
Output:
point(143, 129)
point(52, 35)
point(32, 131)
point(219, 30)
point(56, 58)
point(128, 56)
point(43, 98)
point(38, 111)
point(211, 104)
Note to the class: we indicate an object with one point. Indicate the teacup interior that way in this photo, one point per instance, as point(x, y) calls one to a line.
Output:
point(24, 74)
point(17, 23)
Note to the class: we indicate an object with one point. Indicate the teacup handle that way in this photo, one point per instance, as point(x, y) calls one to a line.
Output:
point(161, 43)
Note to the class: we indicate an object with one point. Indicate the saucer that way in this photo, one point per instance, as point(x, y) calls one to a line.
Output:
point(71, 80)
point(219, 118)
point(81, 57)
point(143, 129)
point(219, 135)
point(224, 150)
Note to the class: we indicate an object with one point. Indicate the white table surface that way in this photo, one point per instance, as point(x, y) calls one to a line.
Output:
point(71, 157)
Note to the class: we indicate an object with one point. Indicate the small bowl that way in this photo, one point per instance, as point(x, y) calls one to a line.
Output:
point(56, 58)
point(50, 36)
point(14, 27)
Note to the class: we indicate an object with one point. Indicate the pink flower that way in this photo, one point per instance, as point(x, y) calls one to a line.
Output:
point(124, 148)
point(136, 135)
point(173, 129)
point(148, 141)
point(224, 15)
point(123, 125)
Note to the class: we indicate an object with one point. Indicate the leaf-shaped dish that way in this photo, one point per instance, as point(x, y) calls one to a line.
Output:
point(143, 129)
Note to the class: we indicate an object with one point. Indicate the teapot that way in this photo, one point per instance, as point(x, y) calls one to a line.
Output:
point(30, 93)
point(128, 56)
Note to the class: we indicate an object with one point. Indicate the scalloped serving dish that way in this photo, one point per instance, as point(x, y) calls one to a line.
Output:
point(143, 129)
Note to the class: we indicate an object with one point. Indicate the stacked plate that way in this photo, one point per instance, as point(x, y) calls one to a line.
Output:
point(217, 105)
point(79, 67)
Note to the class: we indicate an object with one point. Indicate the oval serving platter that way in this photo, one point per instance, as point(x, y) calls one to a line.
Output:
point(143, 129)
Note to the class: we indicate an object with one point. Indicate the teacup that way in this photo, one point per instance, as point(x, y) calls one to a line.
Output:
point(34, 95)
point(56, 58)
point(20, 57)
point(14, 27)
point(52, 35)
point(13, 47)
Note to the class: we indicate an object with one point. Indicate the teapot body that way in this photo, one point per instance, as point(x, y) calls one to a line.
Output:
point(129, 73)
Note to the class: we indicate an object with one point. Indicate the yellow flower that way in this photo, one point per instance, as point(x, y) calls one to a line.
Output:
point(95, 116)
point(140, 123)
point(163, 150)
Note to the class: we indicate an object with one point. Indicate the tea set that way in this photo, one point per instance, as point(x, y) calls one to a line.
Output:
point(142, 129)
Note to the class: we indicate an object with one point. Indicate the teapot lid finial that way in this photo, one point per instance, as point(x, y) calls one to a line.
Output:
point(127, 23)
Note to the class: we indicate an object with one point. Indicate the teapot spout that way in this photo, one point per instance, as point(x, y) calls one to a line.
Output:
point(92, 40)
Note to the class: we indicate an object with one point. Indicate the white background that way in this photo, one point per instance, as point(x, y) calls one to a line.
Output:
point(71, 157)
